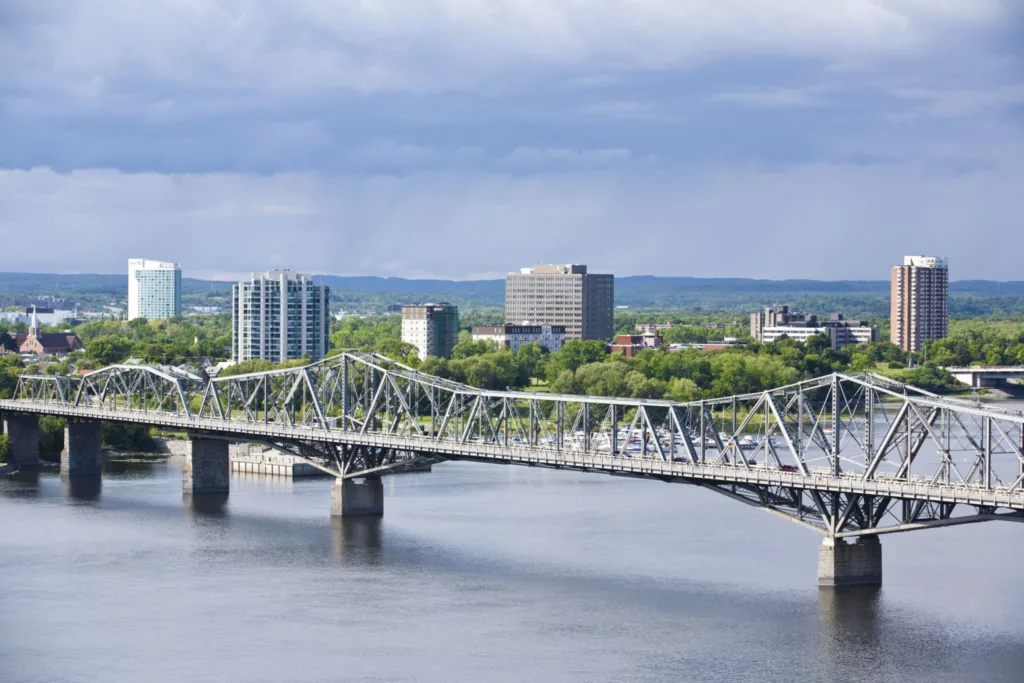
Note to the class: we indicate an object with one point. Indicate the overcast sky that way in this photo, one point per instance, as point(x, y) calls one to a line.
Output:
point(467, 138)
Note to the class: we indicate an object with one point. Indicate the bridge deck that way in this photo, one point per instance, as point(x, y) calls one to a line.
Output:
point(880, 485)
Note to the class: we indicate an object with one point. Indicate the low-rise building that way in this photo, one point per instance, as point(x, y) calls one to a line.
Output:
point(13, 317)
point(550, 337)
point(51, 317)
point(718, 345)
point(631, 344)
point(840, 332)
point(38, 343)
point(652, 328)
point(432, 328)
point(779, 316)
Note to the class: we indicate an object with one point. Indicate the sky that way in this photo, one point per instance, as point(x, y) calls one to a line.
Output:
point(465, 139)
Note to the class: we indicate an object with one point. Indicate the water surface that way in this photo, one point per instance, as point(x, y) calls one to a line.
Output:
point(477, 573)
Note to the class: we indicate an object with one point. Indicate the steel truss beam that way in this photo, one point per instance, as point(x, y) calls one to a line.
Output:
point(831, 437)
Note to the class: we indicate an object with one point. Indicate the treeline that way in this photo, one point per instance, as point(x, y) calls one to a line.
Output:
point(586, 367)
point(988, 343)
point(168, 342)
point(580, 367)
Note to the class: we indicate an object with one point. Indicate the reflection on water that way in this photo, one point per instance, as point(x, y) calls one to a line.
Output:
point(130, 464)
point(23, 484)
point(849, 627)
point(206, 505)
point(356, 540)
point(850, 612)
point(29, 477)
point(85, 488)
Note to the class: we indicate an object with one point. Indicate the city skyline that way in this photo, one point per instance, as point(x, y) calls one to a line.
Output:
point(807, 133)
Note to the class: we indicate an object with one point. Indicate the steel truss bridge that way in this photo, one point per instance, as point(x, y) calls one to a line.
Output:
point(845, 455)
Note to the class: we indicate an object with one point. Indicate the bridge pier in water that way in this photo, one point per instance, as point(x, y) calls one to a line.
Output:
point(850, 564)
point(352, 499)
point(23, 431)
point(207, 466)
point(82, 447)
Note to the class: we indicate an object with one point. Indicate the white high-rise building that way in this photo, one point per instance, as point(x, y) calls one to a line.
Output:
point(154, 289)
point(279, 315)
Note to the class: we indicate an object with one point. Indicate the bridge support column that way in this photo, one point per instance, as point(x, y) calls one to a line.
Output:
point(850, 564)
point(82, 445)
point(23, 431)
point(207, 467)
point(351, 499)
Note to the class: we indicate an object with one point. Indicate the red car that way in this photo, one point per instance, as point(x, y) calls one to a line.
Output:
point(788, 468)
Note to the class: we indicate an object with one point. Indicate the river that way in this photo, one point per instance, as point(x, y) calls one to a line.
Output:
point(477, 573)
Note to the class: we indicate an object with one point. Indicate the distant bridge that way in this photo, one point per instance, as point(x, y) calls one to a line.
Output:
point(849, 456)
point(981, 376)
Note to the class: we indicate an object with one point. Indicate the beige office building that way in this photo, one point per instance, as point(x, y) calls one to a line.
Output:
point(565, 296)
point(919, 301)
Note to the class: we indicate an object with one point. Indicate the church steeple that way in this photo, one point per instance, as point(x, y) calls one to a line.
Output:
point(33, 326)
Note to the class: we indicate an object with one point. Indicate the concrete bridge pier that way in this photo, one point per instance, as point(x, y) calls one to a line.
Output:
point(850, 564)
point(23, 431)
point(207, 466)
point(82, 446)
point(351, 499)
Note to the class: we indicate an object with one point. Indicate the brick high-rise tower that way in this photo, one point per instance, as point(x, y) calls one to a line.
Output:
point(920, 301)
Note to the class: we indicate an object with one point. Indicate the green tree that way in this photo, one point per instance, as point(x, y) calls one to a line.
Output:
point(7, 343)
point(565, 383)
point(109, 349)
point(683, 390)
point(573, 354)
point(531, 359)
point(818, 344)
point(602, 379)
point(51, 434)
point(467, 347)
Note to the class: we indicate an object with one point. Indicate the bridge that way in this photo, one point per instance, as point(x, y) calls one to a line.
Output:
point(851, 457)
point(985, 376)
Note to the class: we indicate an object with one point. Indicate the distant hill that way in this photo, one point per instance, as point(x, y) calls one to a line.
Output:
point(864, 298)
point(92, 284)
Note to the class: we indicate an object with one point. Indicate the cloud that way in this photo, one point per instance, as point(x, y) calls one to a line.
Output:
point(829, 221)
point(638, 111)
point(562, 156)
point(961, 103)
point(770, 99)
point(748, 137)
point(386, 85)
point(96, 49)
